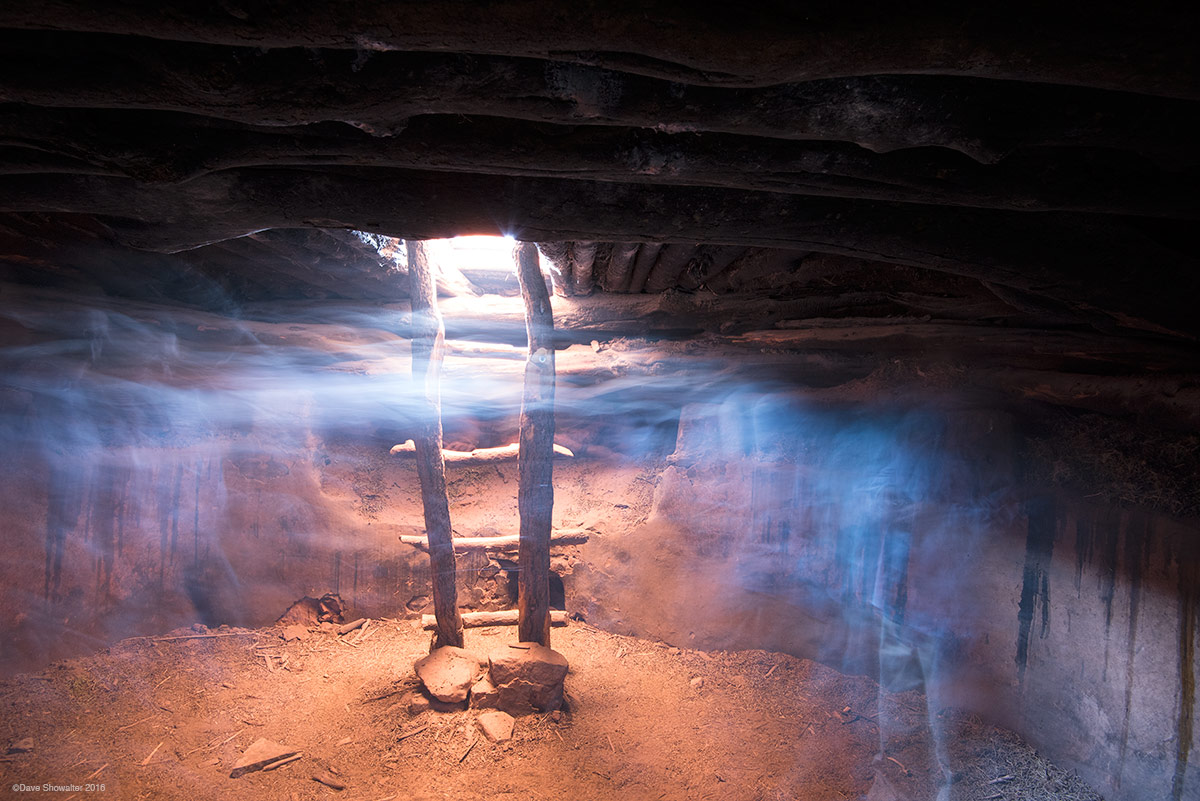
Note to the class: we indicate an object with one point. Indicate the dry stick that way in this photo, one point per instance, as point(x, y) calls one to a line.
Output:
point(535, 464)
point(131, 725)
point(214, 743)
point(146, 761)
point(428, 338)
point(900, 764)
point(413, 733)
point(96, 772)
point(280, 763)
point(772, 670)
point(469, 747)
point(1007, 778)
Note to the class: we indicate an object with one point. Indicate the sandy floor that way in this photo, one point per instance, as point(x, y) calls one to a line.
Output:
point(167, 720)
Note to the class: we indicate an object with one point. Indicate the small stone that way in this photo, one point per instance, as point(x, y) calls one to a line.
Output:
point(260, 754)
point(556, 716)
point(296, 632)
point(449, 672)
point(528, 678)
point(496, 726)
point(696, 683)
point(484, 695)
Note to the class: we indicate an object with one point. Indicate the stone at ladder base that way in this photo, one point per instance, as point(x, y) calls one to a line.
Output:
point(496, 726)
point(484, 695)
point(528, 678)
point(449, 672)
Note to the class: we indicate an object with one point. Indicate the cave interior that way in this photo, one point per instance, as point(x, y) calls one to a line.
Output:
point(875, 398)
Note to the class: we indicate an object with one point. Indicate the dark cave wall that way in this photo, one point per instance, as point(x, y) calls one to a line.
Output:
point(907, 548)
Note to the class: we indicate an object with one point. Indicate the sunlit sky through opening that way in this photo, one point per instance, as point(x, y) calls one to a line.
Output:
point(492, 253)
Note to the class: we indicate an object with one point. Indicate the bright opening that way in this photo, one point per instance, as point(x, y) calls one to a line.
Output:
point(485, 253)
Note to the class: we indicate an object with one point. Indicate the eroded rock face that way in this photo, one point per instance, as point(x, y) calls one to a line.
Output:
point(449, 673)
point(527, 677)
point(484, 695)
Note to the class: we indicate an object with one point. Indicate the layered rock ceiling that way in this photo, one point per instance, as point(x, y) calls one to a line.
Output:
point(828, 187)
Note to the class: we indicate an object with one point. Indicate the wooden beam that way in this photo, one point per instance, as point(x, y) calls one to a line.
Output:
point(503, 453)
point(982, 119)
point(565, 536)
point(427, 345)
point(506, 617)
point(1117, 46)
point(535, 466)
point(583, 258)
point(1115, 264)
point(159, 146)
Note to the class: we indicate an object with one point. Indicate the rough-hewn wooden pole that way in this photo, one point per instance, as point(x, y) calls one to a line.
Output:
point(535, 463)
point(427, 344)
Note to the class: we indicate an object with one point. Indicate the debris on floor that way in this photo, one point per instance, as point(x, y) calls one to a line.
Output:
point(261, 754)
point(172, 720)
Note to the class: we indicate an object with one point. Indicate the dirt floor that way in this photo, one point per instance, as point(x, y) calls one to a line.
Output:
point(168, 719)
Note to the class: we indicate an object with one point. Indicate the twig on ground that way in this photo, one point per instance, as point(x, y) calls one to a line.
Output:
point(131, 725)
point(412, 733)
point(146, 761)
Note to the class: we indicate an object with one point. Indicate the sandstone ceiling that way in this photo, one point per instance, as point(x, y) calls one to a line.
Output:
point(1012, 188)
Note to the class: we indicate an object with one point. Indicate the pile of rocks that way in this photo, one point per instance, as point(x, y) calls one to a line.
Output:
point(517, 679)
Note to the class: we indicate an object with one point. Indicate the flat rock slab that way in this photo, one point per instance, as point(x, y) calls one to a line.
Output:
point(497, 726)
point(527, 677)
point(294, 632)
point(449, 672)
point(260, 754)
